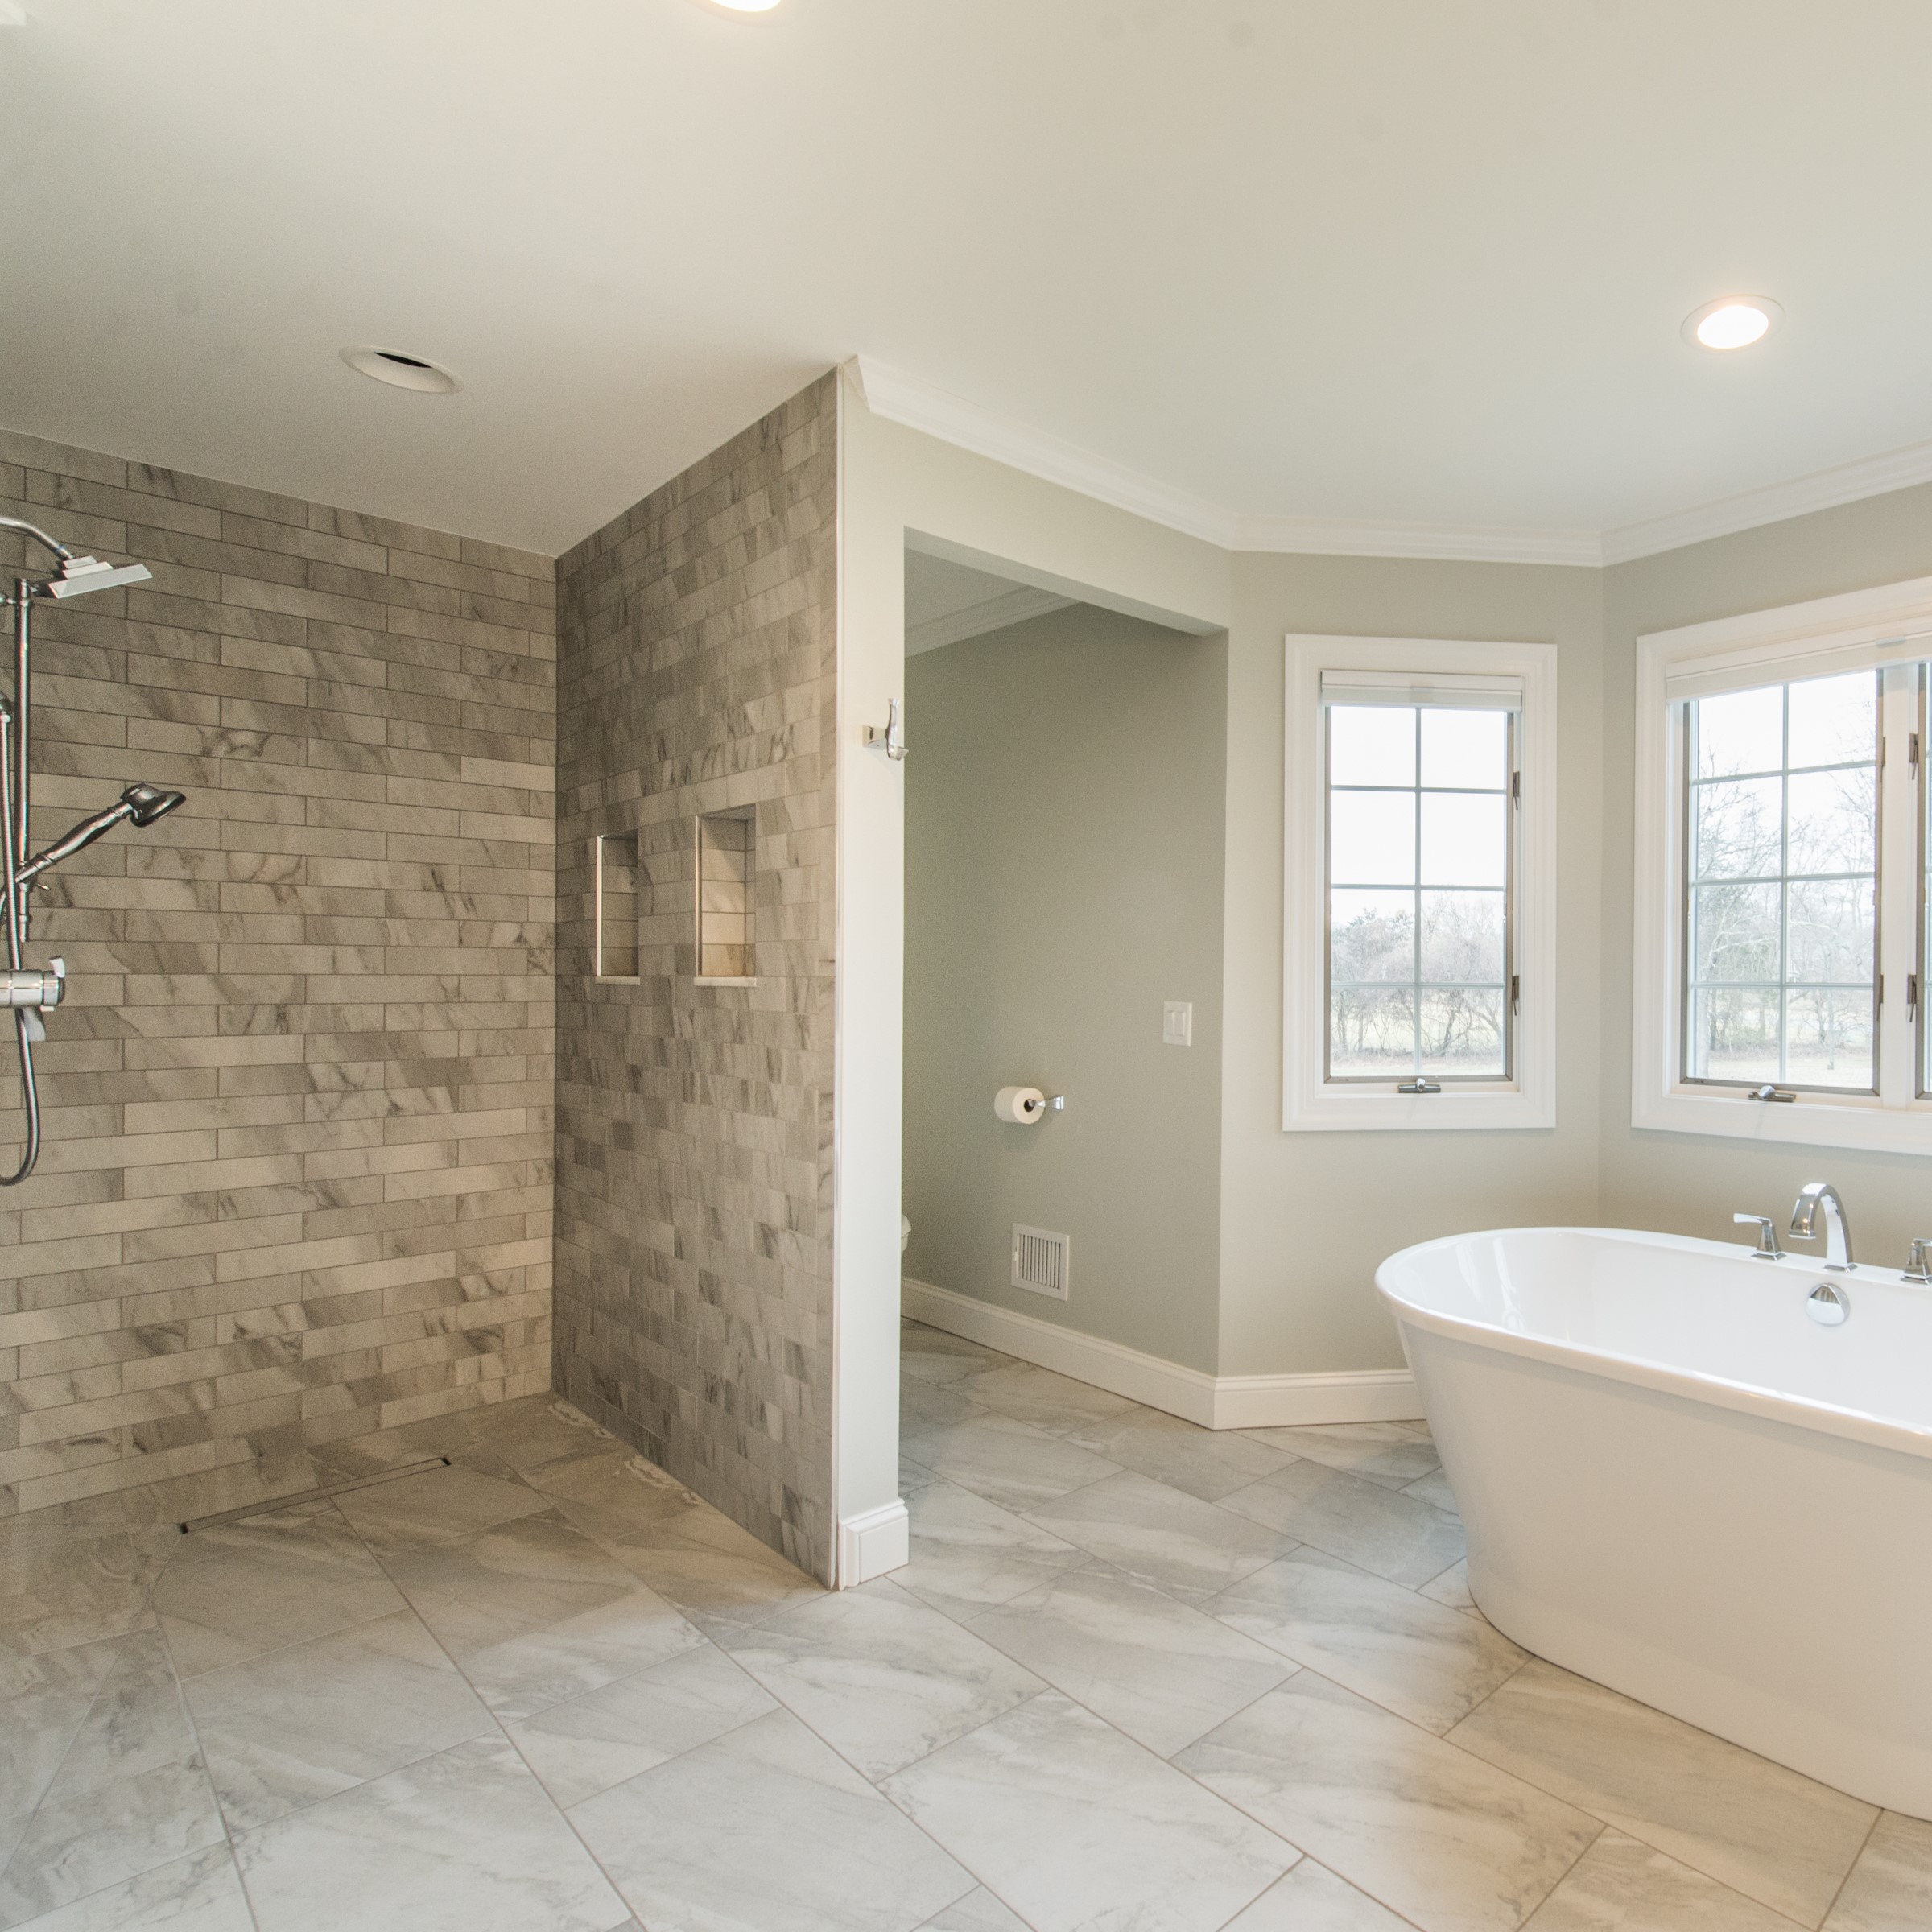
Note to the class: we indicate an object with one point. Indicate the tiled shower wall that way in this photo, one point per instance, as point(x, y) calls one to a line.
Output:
point(696, 659)
point(296, 1184)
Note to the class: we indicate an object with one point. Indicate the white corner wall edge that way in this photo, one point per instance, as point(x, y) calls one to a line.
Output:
point(1227, 1402)
point(908, 399)
point(872, 1544)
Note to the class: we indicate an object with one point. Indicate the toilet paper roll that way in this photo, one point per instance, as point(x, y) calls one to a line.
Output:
point(1023, 1104)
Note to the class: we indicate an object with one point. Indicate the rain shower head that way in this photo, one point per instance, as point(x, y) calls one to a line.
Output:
point(79, 574)
point(139, 805)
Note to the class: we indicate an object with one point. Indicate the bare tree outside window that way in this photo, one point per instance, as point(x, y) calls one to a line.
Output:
point(1419, 870)
point(1780, 904)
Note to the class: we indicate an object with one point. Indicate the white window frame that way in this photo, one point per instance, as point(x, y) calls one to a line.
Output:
point(1310, 1102)
point(1888, 626)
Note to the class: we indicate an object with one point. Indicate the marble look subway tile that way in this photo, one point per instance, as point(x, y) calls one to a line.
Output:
point(591, 1742)
point(880, 1676)
point(1420, 1659)
point(266, 1582)
point(1376, 1528)
point(286, 1729)
point(766, 1830)
point(1074, 1825)
point(535, 1611)
point(1890, 1887)
point(1753, 1826)
point(466, 1841)
point(1620, 1885)
point(1174, 1541)
point(1441, 1838)
point(1154, 1668)
point(201, 1893)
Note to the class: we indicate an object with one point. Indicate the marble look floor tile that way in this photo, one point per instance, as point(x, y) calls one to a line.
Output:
point(256, 1585)
point(1376, 1528)
point(466, 1841)
point(1890, 1887)
point(1312, 1899)
point(1074, 1825)
point(714, 1572)
point(619, 1492)
point(44, 1696)
point(979, 1911)
point(1434, 1488)
point(1175, 1541)
point(767, 1829)
point(1441, 1838)
point(129, 1794)
point(440, 1506)
point(1451, 1588)
point(1007, 1462)
point(1760, 1829)
point(1421, 1660)
point(544, 1435)
point(935, 1356)
point(1152, 1667)
point(200, 1893)
point(1620, 1885)
point(924, 1404)
point(59, 1589)
point(1056, 1403)
point(969, 1554)
point(593, 1742)
point(882, 1677)
point(1388, 1453)
point(913, 1476)
point(1206, 1462)
point(301, 1724)
point(534, 1612)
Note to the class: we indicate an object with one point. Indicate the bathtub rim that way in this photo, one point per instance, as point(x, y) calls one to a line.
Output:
point(1746, 1398)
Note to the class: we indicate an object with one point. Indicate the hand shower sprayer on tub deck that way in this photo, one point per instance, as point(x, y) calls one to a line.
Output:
point(33, 990)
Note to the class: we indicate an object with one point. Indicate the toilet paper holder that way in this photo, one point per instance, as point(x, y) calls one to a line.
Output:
point(1024, 1105)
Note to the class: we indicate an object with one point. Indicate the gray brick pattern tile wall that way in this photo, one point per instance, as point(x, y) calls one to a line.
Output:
point(297, 1182)
point(696, 665)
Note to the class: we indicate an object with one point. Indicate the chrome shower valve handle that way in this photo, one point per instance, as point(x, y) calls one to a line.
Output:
point(41, 987)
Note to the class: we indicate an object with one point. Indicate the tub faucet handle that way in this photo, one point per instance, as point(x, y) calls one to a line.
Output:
point(1918, 1263)
point(1767, 1248)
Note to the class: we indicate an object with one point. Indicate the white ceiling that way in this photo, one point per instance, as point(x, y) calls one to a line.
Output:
point(1379, 261)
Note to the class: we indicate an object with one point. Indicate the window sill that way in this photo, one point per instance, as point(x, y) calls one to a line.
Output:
point(1856, 1121)
point(1327, 1109)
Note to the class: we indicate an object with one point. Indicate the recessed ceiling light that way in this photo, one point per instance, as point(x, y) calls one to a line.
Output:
point(390, 365)
point(1732, 322)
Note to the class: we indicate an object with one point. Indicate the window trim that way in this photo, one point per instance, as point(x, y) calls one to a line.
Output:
point(1788, 642)
point(1311, 1103)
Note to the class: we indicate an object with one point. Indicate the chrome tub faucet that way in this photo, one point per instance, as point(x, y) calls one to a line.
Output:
point(1811, 1197)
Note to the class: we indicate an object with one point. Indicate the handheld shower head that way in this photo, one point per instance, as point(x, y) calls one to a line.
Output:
point(139, 805)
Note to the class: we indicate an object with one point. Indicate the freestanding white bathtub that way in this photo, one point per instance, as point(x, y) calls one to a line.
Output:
point(1677, 1484)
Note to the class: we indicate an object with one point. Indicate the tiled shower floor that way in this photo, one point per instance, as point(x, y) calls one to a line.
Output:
point(1138, 1677)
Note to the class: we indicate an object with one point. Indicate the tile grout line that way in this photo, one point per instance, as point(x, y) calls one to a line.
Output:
point(1864, 1845)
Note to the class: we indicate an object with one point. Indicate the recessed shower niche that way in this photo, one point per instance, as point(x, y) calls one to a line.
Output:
point(727, 847)
point(615, 916)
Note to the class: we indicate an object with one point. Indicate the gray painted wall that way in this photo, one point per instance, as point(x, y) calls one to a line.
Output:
point(1063, 867)
point(1305, 1217)
point(1690, 1183)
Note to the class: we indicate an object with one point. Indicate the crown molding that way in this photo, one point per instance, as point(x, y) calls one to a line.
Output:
point(1824, 490)
point(1014, 606)
point(906, 399)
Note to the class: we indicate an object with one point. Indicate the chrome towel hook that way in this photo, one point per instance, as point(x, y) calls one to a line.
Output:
point(892, 740)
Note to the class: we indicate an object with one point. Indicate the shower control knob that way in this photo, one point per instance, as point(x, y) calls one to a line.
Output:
point(36, 986)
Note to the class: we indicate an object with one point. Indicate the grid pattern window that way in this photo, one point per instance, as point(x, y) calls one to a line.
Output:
point(1782, 885)
point(1420, 856)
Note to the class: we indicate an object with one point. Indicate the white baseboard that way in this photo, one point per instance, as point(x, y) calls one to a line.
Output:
point(1226, 1402)
point(874, 1543)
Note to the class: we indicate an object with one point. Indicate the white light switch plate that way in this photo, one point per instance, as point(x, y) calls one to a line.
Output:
point(1176, 1023)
